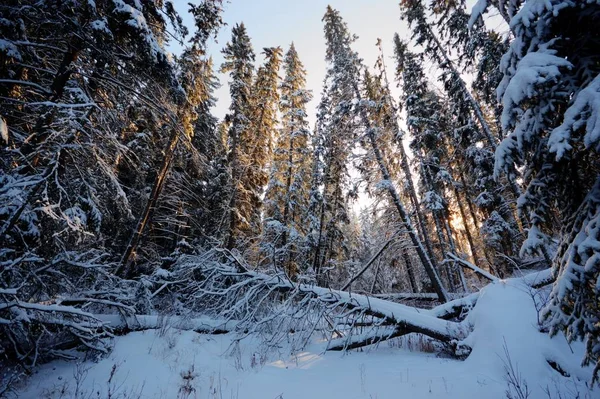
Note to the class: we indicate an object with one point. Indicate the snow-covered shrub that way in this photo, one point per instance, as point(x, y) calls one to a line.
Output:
point(51, 306)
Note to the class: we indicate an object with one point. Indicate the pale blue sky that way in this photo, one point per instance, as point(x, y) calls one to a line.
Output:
point(279, 22)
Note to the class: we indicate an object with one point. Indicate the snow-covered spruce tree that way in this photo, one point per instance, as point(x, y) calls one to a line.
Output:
point(474, 135)
point(265, 102)
point(383, 114)
point(318, 186)
point(551, 98)
point(76, 70)
point(288, 190)
point(428, 126)
point(239, 63)
point(477, 50)
point(215, 186)
point(190, 91)
point(345, 69)
point(209, 172)
point(336, 132)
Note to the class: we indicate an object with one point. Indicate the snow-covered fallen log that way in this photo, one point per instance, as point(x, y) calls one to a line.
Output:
point(458, 306)
point(505, 334)
point(539, 279)
point(406, 318)
point(361, 340)
point(204, 325)
point(416, 296)
point(55, 305)
point(454, 308)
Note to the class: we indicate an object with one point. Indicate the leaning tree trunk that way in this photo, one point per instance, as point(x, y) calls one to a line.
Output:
point(412, 192)
point(148, 212)
point(476, 108)
point(463, 215)
point(439, 220)
point(398, 135)
point(452, 243)
point(369, 263)
point(427, 262)
point(473, 214)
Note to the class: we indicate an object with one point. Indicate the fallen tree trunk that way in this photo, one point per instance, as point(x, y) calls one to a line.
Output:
point(416, 296)
point(409, 318)
point(359, 341)
point(539, 279)
point(455, 308)
point(259, 302)
point(536, 280)
point(203, 325)
point(236, 293)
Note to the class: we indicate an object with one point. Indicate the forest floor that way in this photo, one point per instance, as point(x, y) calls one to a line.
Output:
point(509, 355)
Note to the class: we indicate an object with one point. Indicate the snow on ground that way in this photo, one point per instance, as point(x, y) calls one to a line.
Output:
point(171, 363)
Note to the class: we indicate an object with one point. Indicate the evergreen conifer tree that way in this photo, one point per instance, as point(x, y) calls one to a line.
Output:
point(239, 63)
point(550, 93)
point(287, 196)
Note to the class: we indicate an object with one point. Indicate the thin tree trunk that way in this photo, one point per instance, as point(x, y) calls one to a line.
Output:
point(474, 217)
point(412, 193)
point(463, 182)
point(148, 212)
point(461, 275)
point(286, 208)
point(409, 270)
point(436, 217)
point(235, 177)
point(375, 276)
point(461, 209)
point(316, 264)
point(369, 263)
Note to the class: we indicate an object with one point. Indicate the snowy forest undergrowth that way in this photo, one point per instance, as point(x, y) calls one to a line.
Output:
point(148, 249)
point(175, 357)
